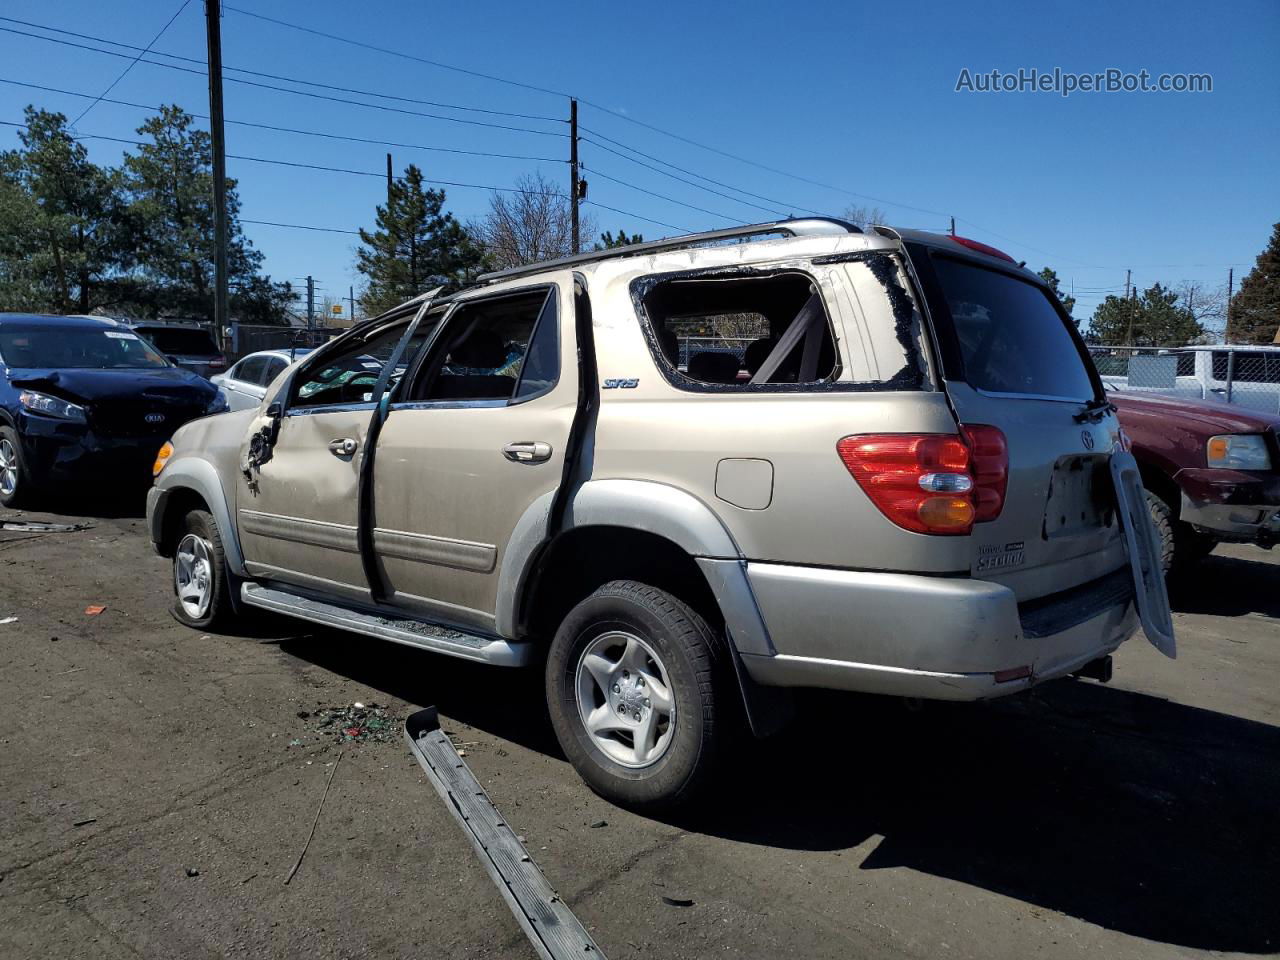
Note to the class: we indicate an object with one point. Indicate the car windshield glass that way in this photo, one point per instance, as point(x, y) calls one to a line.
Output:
point(1012, 338)
point(76, 347)
point(188, 343)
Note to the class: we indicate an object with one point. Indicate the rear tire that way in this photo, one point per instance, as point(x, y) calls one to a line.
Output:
point(15, 480)
point(1181, 547)
point(636, 687)
point(201, 582)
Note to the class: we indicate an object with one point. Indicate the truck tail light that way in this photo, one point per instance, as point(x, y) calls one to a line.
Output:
point(935, 483)
point(990, 469)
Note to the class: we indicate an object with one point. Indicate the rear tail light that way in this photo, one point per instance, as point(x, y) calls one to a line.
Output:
point(990, 469)
point(933, 483)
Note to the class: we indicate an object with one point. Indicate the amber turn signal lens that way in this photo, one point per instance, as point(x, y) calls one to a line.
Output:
point(162, 458)
point(946, 513)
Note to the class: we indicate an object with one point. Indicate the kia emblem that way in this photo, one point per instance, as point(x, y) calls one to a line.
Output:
point(159, 418)
point(1087, 437)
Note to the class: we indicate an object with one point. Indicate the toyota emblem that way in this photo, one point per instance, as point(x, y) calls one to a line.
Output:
point(1087, 437)
point(159, 418)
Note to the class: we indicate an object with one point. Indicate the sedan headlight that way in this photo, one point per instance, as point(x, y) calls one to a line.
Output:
point(1239, 452)
point(51, 406)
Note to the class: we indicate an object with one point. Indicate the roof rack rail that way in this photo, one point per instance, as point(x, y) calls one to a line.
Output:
point(806, 227)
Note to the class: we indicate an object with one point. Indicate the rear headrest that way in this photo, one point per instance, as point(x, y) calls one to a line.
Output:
point(482, 350)
point(714, 367)
point(757, 353)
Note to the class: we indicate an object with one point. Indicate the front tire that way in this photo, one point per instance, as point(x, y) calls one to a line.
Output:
point(636, 691)
point(15, 480)
point(201, 585)
point(1180, 545)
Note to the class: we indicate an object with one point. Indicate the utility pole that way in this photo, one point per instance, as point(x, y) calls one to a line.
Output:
point(311, 303)
point(573, 172)
point(1130, 294)
point(1231, 278)
point(953, 226)
point(390, 178)
point(351, 297)
point(213, 23)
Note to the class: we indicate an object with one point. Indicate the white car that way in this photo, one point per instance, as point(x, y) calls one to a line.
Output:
point(245, 384)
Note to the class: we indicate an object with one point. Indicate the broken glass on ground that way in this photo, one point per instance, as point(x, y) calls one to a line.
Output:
point(351, 723)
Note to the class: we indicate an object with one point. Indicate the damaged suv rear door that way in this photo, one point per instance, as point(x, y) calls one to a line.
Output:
point(1012, 361)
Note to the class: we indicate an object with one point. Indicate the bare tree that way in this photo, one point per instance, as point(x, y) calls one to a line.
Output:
point(1207, 305)
point(861, 216)
point(530, 225)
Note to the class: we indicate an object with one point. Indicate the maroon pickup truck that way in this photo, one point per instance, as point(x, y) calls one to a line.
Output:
point(1212, 472)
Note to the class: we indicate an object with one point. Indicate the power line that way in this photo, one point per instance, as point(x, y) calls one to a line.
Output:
point(293, 130)
point(132, 63)
point(299, 93)
point(380, 175)
point(661, 196)
point(690, 182)
point(277, 76)
point(397, 53)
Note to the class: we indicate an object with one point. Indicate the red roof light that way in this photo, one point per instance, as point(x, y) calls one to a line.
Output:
point(983, 248)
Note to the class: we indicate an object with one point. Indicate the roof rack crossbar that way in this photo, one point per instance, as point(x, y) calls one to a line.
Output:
point(807, 227)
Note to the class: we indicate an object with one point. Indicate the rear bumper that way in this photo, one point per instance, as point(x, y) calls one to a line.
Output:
point(1232, 504)
point(937, 638)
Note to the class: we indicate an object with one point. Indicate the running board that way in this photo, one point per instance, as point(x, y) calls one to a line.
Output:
point(398, 629)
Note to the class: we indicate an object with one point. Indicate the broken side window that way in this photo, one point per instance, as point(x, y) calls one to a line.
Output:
point(760, 330)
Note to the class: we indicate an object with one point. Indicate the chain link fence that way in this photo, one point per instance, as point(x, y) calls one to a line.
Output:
point(1245, 376)
point(737, 346)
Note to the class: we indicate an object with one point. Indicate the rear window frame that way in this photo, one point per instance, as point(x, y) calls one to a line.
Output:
point(640, 287)
point(921, 257)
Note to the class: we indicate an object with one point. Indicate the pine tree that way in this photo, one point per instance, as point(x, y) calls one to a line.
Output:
point(416, 246)
point(609, 242)
point(1254, 312)
point(1051, 278)
point(59, 222)
point(170, 184)
point(1153, 320)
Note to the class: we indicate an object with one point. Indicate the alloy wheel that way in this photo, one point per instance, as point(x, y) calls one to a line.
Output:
point(625, 699)
point(193, 575)
point(8, 468)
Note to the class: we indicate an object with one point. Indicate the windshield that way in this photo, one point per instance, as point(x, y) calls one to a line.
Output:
point(76, 348)
point(177, 340)
point(1012, 338)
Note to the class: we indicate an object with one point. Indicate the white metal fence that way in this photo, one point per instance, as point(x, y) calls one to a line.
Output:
point(1247, 376)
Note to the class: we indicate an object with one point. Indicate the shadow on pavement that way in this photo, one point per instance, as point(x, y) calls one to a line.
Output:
point(1229, 587)
point(1128, 811)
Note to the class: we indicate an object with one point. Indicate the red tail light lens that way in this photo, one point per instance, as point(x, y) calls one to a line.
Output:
point(990, 469)
point(932, 483)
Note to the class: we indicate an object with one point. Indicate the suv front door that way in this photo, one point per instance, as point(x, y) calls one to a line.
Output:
point(479, 436)
point(298, 510)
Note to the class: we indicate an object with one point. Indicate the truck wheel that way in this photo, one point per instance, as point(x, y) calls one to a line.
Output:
point(635, 686)
point(15, 482)
point(1180, 545)
point(200, 582)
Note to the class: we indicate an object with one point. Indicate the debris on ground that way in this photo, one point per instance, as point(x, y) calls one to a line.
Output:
point(357, 723)
point(323, 797)
point(677, 901)
point(599, 823)
point(192, 872)
point(8, 620)
point(85, 823)
point(34, 526)
point(93, 610)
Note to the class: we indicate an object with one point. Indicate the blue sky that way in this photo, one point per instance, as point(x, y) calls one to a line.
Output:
point(1177, 187)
